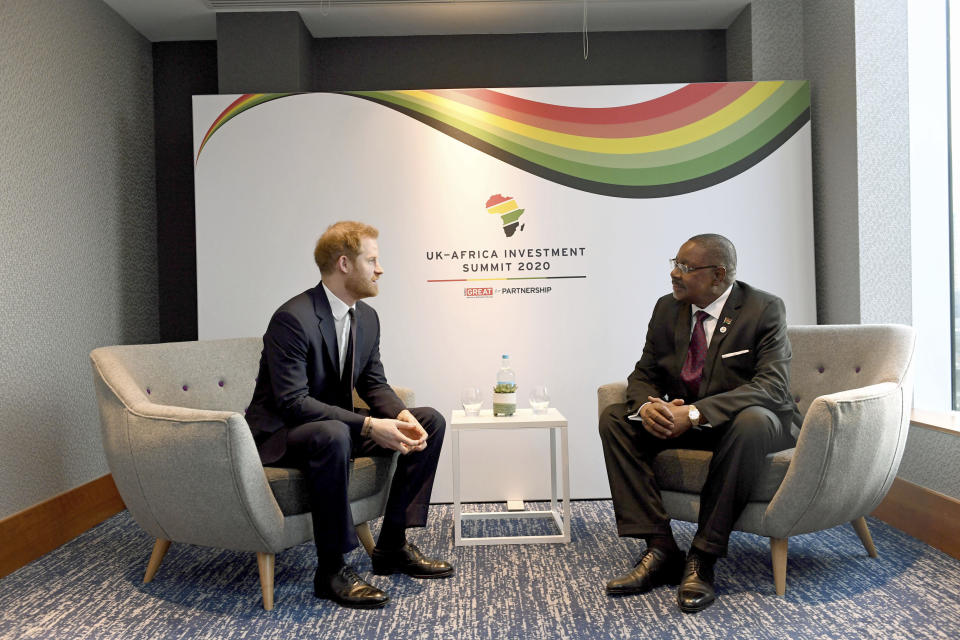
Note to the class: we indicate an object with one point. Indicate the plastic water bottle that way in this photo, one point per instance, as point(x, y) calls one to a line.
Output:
point(506, 375)
point(505, 393)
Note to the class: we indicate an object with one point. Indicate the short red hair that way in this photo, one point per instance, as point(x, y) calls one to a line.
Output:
point(341, 239)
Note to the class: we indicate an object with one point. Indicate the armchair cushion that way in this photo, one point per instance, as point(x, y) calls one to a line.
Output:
point(685, 471)
point(289, 486)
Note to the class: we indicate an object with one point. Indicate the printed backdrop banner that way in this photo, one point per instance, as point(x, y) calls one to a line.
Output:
point(533, 222)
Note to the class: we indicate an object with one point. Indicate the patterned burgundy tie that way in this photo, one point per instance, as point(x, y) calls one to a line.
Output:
point(692, 372)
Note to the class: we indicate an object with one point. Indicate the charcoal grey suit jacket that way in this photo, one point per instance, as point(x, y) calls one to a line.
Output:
point(751, 332)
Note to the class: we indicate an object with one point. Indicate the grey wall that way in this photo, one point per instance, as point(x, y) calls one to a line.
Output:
point(883, 161)
point(855, 55)
point(740, 47)
point(777, 42)
point(765, 42)
point(264, 52)
point(516, 60)
point(932, 459)
point(78, 247)
point(829, 59)
point(180, 71)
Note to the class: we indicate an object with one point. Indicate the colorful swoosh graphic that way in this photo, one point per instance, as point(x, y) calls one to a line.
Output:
point(690, 139)
point(238, 106)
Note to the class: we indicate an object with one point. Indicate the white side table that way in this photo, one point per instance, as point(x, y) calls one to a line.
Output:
point(522, 419)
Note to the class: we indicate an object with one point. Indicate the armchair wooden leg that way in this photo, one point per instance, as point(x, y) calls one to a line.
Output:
point(265, 565)
point(860, 526)
point(159, 550)
point(778, 551)
point(366, 538)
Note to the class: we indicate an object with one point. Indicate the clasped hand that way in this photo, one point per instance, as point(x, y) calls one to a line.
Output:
point(404, 434)
point(664, 419)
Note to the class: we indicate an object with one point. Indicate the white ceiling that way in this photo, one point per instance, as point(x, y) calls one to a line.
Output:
point(163, 20)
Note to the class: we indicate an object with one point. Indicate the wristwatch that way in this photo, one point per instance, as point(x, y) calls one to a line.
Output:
point(694, 415)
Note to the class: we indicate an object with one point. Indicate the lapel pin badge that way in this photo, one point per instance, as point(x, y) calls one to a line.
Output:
point(723, 329)
point(727, 320)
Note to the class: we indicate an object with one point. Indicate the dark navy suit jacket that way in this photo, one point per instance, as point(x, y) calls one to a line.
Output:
point(299, 379)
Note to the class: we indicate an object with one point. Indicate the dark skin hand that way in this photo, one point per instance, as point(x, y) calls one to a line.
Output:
point(664, 419)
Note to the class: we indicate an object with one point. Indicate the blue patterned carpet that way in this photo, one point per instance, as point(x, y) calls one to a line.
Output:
point(92, 588)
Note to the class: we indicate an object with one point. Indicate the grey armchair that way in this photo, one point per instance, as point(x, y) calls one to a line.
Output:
point(186, 465)
point(853, 384)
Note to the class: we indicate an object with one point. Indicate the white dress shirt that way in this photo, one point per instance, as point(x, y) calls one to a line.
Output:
point(709, 325)
point(713, 314)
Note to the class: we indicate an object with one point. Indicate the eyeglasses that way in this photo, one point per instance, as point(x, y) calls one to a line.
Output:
point(685, 268)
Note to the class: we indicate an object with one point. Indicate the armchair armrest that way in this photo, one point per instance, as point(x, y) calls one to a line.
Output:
point(406, 395)
point(151, 410)
point(846, 457)
point(611, 393)
point(193, 475)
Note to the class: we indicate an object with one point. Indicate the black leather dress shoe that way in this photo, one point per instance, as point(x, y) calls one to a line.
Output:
point(696, 588)
point(409, 560)
point(654, 568)
point(346, 588)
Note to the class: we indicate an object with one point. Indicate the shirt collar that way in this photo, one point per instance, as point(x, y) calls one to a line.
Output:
point(714, 308)
point(338, 307)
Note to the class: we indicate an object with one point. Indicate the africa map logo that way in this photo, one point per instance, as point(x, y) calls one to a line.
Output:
point(506, 207)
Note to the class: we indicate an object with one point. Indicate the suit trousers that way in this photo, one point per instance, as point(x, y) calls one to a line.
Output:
point(739, 447)
point(323, 451)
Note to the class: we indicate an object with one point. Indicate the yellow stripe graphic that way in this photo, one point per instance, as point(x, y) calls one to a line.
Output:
point(642, 144)
point(504, 207)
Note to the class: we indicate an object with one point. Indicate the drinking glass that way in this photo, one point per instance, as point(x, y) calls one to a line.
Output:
point(471, 400)
point(539, 399)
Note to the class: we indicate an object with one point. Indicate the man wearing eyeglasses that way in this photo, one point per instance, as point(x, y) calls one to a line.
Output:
point(714, 375)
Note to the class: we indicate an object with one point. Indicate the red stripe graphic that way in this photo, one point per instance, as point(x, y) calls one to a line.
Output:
point(674, 101)
point(691, 113)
